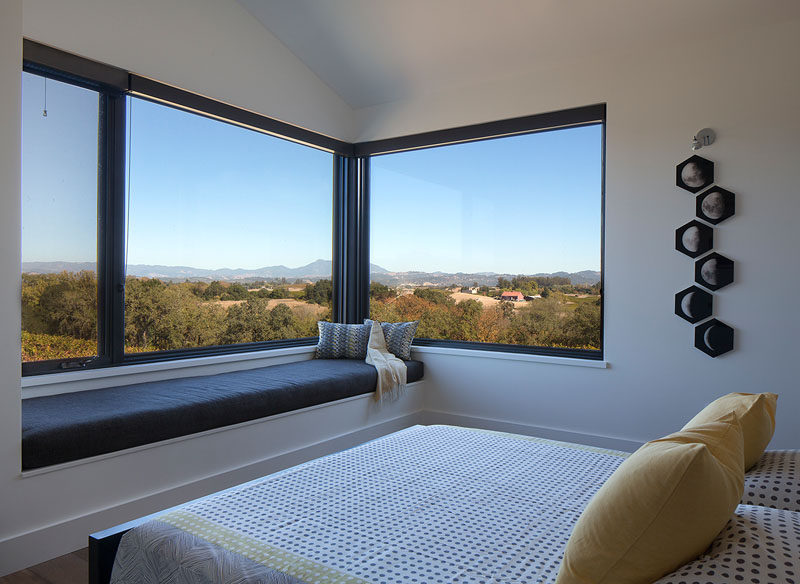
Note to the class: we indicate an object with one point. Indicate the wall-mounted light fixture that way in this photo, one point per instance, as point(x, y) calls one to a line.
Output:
point(704, 137)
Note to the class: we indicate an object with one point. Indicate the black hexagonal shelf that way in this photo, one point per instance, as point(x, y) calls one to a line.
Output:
point(694, 174)
point(694, 304)
point(694, 239)
point(713, 337)
point(715, 205)
point(713, 271)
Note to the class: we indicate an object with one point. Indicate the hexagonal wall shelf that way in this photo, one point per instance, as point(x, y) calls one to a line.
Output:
point(713, 271)
point(694, 174)
point(694, 239)
point(715, 205)
point(694, 304)
point(713, 337)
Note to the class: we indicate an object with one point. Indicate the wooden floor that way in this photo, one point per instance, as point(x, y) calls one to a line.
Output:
point(70, 569)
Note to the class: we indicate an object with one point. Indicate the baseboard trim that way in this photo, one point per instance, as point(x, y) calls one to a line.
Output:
point(433, 417)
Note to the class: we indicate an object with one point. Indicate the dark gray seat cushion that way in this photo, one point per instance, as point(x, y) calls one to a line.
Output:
point(70, 426)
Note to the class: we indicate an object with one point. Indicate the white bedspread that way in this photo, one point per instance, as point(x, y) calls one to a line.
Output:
point(428, 504)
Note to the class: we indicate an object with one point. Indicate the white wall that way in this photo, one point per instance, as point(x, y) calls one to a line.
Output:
point(212, 47)
point(10, 69)
point(744, 86)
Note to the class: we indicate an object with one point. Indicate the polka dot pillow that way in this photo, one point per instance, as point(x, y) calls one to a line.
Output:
point(758, 546)
point(774, 481)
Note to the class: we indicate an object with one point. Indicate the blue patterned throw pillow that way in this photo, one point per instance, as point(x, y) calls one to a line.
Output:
point(342, 341)
point(399, 336)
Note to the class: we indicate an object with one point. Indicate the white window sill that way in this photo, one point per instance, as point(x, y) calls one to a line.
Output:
point(478, 354)
point(69, 381)
point(54, 383)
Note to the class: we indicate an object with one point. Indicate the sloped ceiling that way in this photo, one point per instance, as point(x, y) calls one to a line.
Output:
point(376, 51)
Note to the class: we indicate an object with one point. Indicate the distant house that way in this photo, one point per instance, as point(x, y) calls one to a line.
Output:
point(474, 290)
point(512, 296)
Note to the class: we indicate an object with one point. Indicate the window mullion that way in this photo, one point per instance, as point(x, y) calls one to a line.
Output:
point(112, 226)
point(350, 240)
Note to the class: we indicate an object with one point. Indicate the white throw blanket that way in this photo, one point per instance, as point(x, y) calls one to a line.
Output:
point(391, 370)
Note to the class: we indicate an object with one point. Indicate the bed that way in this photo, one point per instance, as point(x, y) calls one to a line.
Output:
point(426, 504)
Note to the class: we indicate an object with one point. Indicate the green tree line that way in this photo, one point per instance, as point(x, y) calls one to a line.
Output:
point(59, 315)
point(555, 321)
point(543, 285)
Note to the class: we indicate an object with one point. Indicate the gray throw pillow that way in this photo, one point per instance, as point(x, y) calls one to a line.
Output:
point(342, 341)
point(399, 336)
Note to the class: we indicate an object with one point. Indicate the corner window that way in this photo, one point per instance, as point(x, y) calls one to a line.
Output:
point(160, 224)
point(494, 242)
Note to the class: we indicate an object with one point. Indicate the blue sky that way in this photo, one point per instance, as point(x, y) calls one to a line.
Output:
point(59, 172)
point(208, 194)
point(520, 205)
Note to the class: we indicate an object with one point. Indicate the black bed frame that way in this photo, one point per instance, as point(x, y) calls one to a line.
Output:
point(103, 549)
point(103, 544)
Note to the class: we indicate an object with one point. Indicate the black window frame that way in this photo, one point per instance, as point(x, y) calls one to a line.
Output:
point(350, 201)
point(591, 115)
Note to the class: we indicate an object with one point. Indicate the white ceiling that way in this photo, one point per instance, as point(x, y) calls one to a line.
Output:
point(375, 51)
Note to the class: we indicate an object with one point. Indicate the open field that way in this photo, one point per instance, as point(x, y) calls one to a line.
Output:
point(294, 304)
point(485, 300)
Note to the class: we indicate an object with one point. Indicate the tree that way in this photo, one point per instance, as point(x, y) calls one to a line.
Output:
point(161, 316)
point(320, 292)
point(435, 296)
point(214, 290)
point(411, 307)
point(583, 326)
point(468, 313)
point(381, 292)
point(68, 305)
point(279, 293)
point(253, 321)
point(235, 292)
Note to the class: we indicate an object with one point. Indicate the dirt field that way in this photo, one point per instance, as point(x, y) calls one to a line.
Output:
point(296, 305)
point(485, 300)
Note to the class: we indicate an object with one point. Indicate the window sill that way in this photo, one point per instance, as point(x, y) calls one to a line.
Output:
point(474, 353)
point(55, 383)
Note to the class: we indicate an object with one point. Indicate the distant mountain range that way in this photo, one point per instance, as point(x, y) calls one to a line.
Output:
point(316, 270)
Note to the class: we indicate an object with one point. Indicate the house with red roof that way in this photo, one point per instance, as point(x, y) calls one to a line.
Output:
point(512, 296)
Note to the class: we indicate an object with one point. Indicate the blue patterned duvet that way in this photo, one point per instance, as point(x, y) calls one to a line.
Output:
point(428, 504)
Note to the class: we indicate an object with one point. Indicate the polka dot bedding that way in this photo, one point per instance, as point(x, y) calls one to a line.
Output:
point(439, 504)
point(429, 504)
point(758, 546)
point(774, 481)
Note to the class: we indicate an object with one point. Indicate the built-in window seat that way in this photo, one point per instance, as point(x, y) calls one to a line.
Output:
point(70, 426)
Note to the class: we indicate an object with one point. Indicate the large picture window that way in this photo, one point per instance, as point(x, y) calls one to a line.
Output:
point(159, 224)
point(492, 241)
point(228, 233)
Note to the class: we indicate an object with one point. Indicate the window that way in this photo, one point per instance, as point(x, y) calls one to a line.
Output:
point(493, 241)
point(60, 126)
point(159, 224)
point(228, 233)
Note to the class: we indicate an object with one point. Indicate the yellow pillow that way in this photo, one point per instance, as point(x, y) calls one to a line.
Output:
point(756, 413)
point(661, 508)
